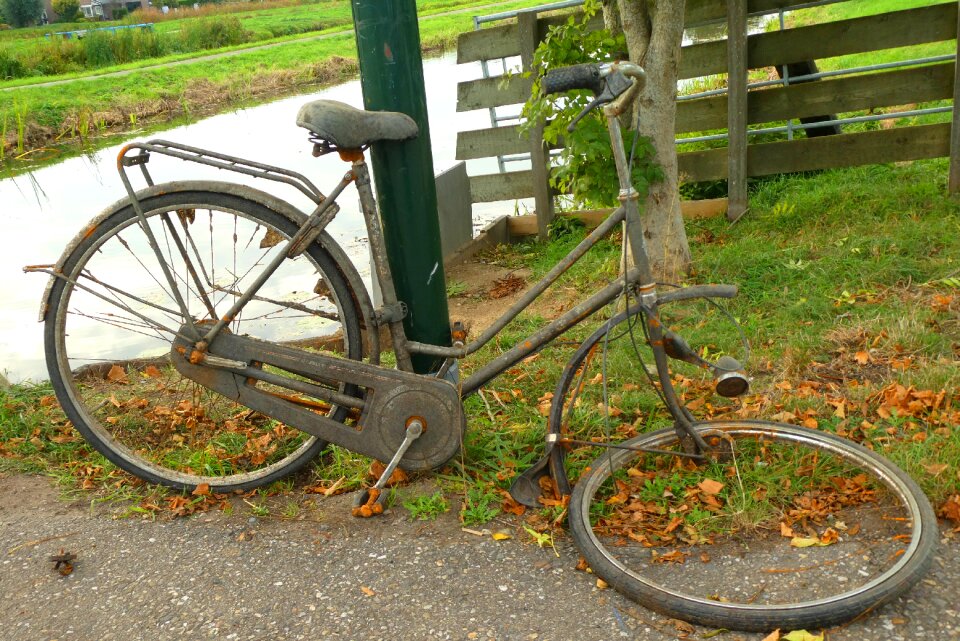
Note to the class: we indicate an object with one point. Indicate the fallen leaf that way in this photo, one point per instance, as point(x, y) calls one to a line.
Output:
point(951, 509)
point(829, 537)
point(862, 357)
point(152, 372)
point(117, 375)
point(804, 542)
point(773, 636)
point(602, 585)
point(202, 490)
point(935, 469)
point(501, 536)
point(786, 530)
point(367, 590)
point(801, 635)
point(709, 486)
point(674, 556)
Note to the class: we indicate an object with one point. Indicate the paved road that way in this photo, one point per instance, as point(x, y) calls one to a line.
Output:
point(330, 576)
point(236, 52)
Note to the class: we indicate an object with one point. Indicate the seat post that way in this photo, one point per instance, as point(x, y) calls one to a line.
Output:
point(378, 250)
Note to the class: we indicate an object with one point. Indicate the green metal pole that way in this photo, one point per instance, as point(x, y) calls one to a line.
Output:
point(391, 74)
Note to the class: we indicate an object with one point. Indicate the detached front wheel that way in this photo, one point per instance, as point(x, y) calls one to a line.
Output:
point(786, 528)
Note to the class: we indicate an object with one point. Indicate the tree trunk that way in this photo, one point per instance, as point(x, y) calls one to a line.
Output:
point(654, 30)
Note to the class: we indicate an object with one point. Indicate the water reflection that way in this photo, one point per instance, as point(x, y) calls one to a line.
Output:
point(40, 213)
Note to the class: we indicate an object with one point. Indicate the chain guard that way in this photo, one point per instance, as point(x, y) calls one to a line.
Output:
point(391, 398)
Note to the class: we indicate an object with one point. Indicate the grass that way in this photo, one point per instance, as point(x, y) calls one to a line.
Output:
point(848, 297)
point(427, 507)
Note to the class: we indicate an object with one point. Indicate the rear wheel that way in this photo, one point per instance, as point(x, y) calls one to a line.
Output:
point(112, 322)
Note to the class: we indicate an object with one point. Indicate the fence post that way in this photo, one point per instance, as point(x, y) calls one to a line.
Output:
point(737, 108)
point(539, 158)
point(954, 183)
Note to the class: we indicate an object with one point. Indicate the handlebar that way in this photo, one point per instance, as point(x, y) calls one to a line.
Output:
point(616, 83)
point(585, 76)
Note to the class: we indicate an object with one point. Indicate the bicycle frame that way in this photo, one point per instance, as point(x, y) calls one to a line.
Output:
point(638, 278)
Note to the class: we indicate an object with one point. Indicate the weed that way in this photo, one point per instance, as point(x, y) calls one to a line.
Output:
point(456, 288)
point(20, 114)
point(479, 505)
point(291, 510)
point(258, 508)
point(427, 508)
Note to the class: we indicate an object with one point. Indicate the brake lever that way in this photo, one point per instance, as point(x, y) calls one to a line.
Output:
point(615, 85)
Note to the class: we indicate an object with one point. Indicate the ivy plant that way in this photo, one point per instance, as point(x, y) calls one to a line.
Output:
point(585, 167)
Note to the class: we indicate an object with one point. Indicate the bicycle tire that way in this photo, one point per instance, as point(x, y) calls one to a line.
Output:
point(86, 394)
point(604, 558)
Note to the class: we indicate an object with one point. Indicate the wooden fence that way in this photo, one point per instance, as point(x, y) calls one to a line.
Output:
point(740, 53)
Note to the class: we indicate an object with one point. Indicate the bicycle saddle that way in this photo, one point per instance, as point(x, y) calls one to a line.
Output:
point(347, 127)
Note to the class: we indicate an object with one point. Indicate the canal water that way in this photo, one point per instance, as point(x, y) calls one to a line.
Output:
point(41, 213)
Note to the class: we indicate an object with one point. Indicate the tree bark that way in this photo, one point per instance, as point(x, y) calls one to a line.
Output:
point(654, 30)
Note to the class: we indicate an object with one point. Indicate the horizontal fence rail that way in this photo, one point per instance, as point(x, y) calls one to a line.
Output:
point(900, 85)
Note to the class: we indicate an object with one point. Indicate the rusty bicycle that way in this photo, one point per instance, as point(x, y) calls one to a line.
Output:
point(205, 332)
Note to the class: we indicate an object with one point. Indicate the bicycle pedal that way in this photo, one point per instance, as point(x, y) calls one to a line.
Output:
point(369, 503)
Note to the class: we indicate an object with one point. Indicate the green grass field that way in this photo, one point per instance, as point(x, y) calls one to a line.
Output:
point(35, 119)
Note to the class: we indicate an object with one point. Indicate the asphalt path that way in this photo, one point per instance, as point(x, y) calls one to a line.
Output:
point(328, 575)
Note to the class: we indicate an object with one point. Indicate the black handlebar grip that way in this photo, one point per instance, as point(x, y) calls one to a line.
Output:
point(585, 76)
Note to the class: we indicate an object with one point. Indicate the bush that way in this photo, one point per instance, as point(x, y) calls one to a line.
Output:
point(119, 13)
point(53, 57)
point(10, 67)
point(98, 49)
point(213, 33)
point(66, 10)
point(20, 13)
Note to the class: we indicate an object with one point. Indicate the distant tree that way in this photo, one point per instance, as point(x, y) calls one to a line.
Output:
point(21, 13)
point(67, 10)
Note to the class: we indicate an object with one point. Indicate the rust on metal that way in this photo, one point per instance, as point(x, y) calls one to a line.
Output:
point(350, 155)
point(371, 507)
point(123, 152)
point(423, 422)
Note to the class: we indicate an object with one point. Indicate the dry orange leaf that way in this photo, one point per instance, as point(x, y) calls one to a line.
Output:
point(935, 469)
point(709, 486)
point(862, 357)
point(786, 530)
point(202, 490)
point(117, 375)
point(152, 372)
point(829, 536)
point(773, 636)
point(951, 509)
point(367, 590)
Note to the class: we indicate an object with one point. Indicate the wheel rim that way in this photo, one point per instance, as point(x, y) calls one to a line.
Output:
point(783, 433)
point(241, 450)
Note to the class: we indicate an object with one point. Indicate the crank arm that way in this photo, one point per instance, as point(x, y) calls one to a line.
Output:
point(370, 502)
